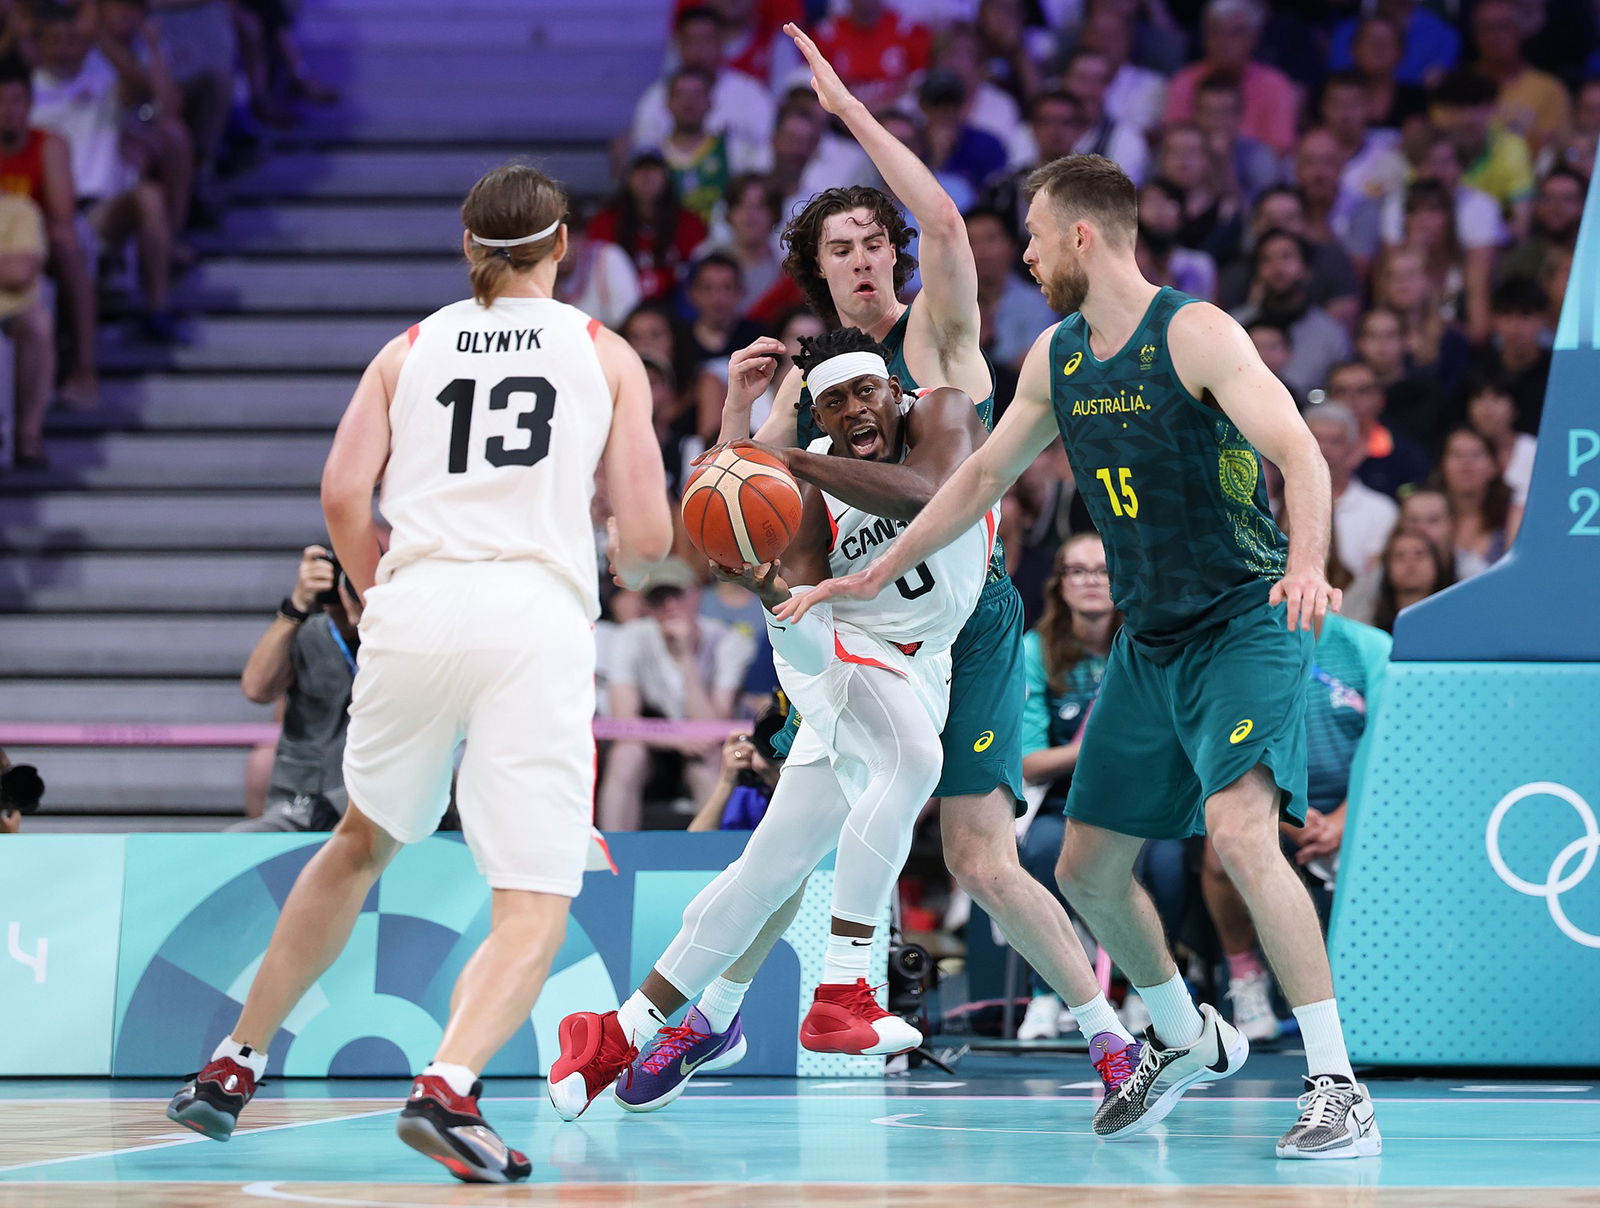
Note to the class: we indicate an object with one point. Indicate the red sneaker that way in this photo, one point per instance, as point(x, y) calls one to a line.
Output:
point(593, 1053)
point(448, 1128)
point(210, 1102)
point(848, 1019)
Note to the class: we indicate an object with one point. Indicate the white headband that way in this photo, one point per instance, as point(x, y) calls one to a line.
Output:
point(843, 368)
point(533, 238)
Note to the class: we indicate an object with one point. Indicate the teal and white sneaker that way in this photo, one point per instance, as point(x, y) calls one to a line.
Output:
point(1337, 1120)
point(1163, 1074)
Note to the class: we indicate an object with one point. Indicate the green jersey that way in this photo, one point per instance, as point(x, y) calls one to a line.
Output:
point(1173, 486)
point(895, 342)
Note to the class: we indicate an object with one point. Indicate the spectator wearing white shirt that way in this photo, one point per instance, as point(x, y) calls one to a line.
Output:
point(1374, 165)
point(596, 276)
point(1479, 223)
point(740, 108)
point(1136, 95)
point(1362, 517)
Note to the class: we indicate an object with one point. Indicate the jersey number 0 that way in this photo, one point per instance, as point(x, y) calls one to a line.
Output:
point(535, 420)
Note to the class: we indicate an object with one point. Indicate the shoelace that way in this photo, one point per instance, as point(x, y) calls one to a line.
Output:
point(1115, 1068)
point(671, 1044)
point(1144, 1074)
point(863, 1000)
point(613, 1052)
point(1323, 1103)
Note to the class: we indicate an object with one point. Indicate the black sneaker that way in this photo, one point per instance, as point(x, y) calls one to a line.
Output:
point(448, 1128)
point(211, 1101)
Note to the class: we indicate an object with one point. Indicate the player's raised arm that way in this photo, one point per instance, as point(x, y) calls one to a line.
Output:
point(355, 465)
point(1212, 353)
point(949, 299)
point(635, 477)
point(1027, 427)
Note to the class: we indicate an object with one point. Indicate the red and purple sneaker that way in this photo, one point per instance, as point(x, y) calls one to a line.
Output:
point(210, 1102)
point(849, 1019)
point(594, 1052)
point(1114, 1059)
point(660, 1072)
point(448, 1128)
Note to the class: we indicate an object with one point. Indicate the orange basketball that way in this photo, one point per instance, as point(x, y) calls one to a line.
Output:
point(743, 506)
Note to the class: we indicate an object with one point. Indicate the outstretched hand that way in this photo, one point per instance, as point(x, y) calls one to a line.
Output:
point(863, 585)
point(1310, 599)
point(825, 81)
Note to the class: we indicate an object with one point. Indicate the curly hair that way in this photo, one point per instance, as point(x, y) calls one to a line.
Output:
point(833, 343)
point(802, 239)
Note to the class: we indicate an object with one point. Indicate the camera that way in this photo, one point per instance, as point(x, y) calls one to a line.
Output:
point(331, 596)
point(21, 788)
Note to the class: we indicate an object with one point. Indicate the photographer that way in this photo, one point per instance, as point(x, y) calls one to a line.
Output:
point(20, 790)
point(750, 770)
point(307, 658)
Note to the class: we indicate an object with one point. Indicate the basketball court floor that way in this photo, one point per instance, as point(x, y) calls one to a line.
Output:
point(1007, 1129)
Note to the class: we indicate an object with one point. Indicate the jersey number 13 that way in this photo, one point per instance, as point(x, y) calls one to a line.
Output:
point(535, 420)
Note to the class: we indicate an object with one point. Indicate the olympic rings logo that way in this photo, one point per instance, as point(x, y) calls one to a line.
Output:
point(1557, 881)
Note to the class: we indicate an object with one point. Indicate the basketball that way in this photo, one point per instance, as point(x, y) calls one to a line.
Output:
point(743, 506)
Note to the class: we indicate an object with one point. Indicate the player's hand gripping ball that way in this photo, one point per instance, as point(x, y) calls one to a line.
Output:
point(743, 506)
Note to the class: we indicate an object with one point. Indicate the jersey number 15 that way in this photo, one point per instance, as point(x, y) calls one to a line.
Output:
point(535, 420)
point(1123, 501)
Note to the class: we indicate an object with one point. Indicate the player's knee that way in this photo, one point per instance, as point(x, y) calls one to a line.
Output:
point(1242, 847)
point(1079, 876)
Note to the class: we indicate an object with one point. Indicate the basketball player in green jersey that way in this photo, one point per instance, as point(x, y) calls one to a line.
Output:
point(1162, 402)
point(846, 252)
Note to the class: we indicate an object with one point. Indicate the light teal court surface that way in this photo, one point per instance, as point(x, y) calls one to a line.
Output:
point(1003, 1120)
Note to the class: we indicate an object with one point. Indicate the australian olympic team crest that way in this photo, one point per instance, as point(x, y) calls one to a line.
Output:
point(1568, 869)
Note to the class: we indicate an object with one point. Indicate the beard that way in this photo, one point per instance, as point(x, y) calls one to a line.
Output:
point(1066, 291)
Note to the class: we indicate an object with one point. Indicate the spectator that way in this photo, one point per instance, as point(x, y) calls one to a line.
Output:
point(1064, 657)
point(875, 51)
point(1391, 461)
point(791, 325)
point(714, 292)
point(1211, 220)
point(1431, 44)
point(1374, 165)
point(753, 39)
point(1426, 510)
point(1332, 212)
point(670, 663)
point(701, 162)
point(1518, 352)
point(1275, 346)
point(1334, 284)
point(1552, 239)
point(28, 324)
point(1492, 414)
point(1351, 662)
point(672, 419)
point(79, 95)
point(1485, 518)
point(1375, 59)
point(1280, 291)
point(1055, 124)
point(747, 234)
point(200, 40)
point(740, 108)
point(1492, 160)
point(1412, 568)
point(1087, 76)
point(35, 163)
point(1528, 102)
point(1413, 404)
point(1362, 517)
point(1400, 283)
point(988, 107)
point(596, 276)
point(963, 157)
point(1248, 165)
point(1009, 49)
point(1013, 312)
point(307, 659)
point(647, 221)
point(1232, 32)
point(1160, 258)
point(20, 790)
point(1136, 96)
point(1459, 277)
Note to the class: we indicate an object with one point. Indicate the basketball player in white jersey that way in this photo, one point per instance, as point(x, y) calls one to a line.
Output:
point(486, 423)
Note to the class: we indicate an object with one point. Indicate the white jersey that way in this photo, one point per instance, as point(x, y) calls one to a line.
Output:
point(931, 602)
point(499, 418)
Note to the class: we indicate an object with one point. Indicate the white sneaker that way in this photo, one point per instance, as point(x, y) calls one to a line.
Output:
point(1337, 1120)
point(1252, 1007)
point(1039, 1022)
point(1163, 1074)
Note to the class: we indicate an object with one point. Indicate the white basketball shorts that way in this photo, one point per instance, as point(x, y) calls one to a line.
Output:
point(500, 654)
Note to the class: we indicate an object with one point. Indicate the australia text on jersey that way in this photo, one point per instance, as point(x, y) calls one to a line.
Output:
point(1121, 403)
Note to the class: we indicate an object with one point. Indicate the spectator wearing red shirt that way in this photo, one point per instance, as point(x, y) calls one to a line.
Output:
point(647, 221)
point(874, 50)
point(1271, 101)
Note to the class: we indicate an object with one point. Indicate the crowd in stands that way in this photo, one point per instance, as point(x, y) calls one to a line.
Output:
point(117, 118)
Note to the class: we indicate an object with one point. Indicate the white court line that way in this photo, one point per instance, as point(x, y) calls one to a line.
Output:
point(900, 1121)
point(269, 1191)
point(1484, 1101)
point(190, 1140)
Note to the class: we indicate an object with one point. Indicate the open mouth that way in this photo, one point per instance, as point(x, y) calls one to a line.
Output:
point(866, 287)
point(864, 440)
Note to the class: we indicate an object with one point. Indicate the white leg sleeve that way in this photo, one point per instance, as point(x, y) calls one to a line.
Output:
point(886, 729)
point(807, 646)
point(800, 827)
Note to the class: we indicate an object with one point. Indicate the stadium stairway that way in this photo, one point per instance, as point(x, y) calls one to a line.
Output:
point(143, 565)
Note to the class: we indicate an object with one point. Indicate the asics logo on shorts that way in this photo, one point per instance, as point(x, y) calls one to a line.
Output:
point(985, 741)
point(1241, 731)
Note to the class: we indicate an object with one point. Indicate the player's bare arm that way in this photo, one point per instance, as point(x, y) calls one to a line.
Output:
point(355, 466)
point(1028, 426)
point(1212, 353)
point(943, 329)
point(635, 477)
point(942, 431)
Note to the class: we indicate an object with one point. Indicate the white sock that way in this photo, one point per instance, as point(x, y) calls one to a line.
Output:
point(1172, 1012)
point(721, 1001)
point(1096, 1016)
point(1324, 1038)
point(253, 1060)
point(639, 1018)
point(457, 1077)
point(849, 957)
